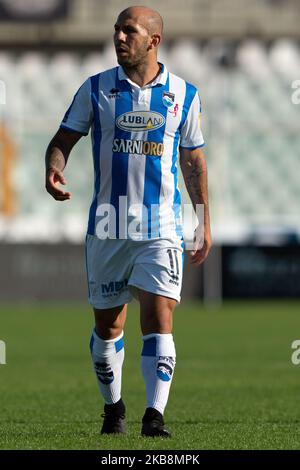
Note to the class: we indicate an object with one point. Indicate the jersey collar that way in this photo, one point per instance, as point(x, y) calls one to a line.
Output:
point(161, 79)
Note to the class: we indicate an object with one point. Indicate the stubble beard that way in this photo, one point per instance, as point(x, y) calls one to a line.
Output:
point(136, 62)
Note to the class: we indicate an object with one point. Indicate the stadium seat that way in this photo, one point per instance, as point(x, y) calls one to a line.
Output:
point(249, 121)
point(285, 59)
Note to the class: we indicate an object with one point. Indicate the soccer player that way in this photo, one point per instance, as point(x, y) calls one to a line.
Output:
point(141, 117)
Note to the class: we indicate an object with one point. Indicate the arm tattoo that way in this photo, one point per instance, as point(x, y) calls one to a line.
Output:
point(55, 158)
point(196, 181)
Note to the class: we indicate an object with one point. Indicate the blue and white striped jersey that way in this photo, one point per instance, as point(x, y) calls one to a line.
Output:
point(136, 135)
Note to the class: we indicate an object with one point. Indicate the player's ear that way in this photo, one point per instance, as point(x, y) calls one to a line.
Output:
point(155, 41)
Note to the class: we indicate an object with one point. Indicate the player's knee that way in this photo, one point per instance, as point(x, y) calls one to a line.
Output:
point(109, 323)
point(108, 327)
point(157, 323)
point(105, 331)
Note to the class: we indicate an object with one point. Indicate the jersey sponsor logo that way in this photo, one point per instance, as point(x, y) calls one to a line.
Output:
point(168, 99)
point(174, 111)
point(140, 121)
point(114, 93)
point(139, 147)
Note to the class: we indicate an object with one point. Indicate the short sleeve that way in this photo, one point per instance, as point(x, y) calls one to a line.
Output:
point(191, 135)
point(79, 116)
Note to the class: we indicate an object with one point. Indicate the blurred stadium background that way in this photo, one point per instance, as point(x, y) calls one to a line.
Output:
point(235, 364)
point(244, 58)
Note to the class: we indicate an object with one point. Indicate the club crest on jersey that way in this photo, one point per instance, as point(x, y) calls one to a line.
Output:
point(140, 121)
point(168, 99)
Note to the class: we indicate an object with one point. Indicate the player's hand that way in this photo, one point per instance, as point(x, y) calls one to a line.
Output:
point(201, 246)
point(54, 177)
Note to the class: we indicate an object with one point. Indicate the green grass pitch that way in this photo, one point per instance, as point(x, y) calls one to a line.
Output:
point(235, 386)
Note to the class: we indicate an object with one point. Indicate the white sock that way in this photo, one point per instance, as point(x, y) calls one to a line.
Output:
point(108, 357)
point(158, 363)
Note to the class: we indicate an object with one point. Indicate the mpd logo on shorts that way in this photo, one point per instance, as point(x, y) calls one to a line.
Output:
point(113, 288)
point(140, 121)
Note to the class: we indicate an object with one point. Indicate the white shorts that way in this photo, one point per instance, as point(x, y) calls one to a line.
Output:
point(116, 267)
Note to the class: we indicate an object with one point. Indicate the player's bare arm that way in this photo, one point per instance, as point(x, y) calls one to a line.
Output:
point(57, 155)
point(194, 171)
